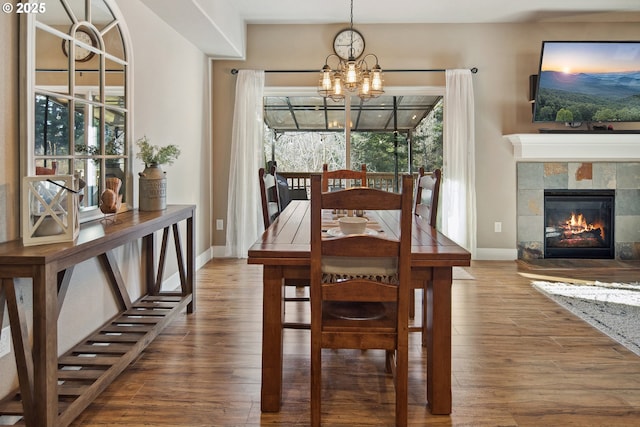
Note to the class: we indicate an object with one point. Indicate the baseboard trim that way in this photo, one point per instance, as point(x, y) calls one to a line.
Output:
point(217, 252)
point(496, 254)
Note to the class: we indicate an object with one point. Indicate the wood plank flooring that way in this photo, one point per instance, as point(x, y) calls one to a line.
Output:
point(519, 359)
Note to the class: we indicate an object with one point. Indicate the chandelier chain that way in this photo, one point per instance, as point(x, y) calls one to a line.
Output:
point(351, 26)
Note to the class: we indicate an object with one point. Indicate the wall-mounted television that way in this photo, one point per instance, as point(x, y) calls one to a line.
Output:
point(588, 82)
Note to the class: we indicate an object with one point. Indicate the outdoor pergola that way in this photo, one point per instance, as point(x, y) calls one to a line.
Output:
point(316, 113)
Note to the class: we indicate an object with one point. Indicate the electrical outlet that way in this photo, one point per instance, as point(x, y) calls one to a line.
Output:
point(497, 227)
point(219, 224)
point(5, 341)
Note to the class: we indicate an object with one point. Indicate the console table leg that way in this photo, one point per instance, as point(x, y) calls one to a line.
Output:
point(21, 346)
point(148, 254)
point(190, 286)
point(45, 346)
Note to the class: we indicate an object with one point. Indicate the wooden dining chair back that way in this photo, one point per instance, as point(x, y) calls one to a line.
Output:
point(427, 195)
point(426, 206)
point(269, 195)
point(360, 284)
point(343, 178)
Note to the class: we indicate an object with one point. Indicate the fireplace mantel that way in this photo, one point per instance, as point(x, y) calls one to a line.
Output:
point(575, 146)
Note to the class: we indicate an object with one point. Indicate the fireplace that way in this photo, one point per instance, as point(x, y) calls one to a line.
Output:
point(579, 223)
point(577, 161)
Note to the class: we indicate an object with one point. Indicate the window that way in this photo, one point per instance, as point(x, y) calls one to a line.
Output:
point(77, 97)
point(391, 134)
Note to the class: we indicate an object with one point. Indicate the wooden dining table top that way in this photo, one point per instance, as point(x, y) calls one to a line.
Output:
point(288, 240)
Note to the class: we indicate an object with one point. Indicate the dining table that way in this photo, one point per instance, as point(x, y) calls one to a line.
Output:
point(284, 251)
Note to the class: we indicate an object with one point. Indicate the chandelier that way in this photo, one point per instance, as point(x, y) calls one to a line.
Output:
point(350, 73)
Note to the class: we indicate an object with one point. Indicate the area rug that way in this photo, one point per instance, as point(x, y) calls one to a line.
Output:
point(613, 308)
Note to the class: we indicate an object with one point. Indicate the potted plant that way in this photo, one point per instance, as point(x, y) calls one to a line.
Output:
point(156, 155)
point(153, 183)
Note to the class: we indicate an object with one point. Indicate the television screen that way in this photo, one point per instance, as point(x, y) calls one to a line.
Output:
point(582, 81)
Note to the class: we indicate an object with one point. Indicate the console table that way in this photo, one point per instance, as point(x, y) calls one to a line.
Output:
point(54, 389)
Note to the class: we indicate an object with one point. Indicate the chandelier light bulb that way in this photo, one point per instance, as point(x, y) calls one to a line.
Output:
point(337, 86)
point(352, 73)
point(365, 86)
point(326, 79)
point(376, 79)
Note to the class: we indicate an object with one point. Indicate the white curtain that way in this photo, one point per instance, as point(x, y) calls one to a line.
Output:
point(458, 182)
point(244, 211)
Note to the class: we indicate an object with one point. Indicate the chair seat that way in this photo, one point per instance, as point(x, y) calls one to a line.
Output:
point(335, 269)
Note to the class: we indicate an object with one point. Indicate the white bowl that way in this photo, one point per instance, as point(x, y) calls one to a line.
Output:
point(352, 224)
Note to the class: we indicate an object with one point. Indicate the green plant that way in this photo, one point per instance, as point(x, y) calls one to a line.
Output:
point(154, 154)
point(113, 147)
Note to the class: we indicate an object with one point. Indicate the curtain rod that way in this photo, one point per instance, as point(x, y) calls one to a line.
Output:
point(474, 70)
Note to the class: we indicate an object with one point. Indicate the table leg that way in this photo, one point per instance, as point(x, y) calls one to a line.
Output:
point(45, 346)
point(425, 309)
point(191, 263)
point(272, 312)
point(148, 254)
point(439, 341)
point(21, 345)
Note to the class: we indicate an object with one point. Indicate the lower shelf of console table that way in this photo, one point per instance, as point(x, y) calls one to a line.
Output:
point(55, 390)
point(87, 369)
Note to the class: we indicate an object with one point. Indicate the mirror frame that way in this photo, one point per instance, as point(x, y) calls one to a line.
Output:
point(29, 90)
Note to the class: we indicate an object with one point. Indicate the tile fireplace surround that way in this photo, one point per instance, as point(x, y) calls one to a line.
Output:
point(577, 161)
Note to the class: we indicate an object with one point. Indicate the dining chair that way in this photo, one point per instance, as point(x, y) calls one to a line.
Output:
point(426, 206)
point(427, 195)
point(343, 178)
point(269, 195)
point(360, 285)
point(271, 209)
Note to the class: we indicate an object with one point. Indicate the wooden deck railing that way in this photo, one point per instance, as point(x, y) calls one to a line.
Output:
point(300, 182)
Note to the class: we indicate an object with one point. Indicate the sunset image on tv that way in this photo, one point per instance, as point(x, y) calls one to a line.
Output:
point(588, 82)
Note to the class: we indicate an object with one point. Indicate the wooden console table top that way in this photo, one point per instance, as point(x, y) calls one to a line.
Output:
point(55, 390)
point(130, 225)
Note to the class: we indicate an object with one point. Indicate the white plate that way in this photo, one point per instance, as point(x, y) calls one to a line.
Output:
point(336, 232)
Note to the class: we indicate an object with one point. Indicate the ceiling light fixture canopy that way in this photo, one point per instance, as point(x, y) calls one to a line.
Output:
point(356, 76)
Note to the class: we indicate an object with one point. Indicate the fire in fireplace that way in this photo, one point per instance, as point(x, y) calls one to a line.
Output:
point(579, 224)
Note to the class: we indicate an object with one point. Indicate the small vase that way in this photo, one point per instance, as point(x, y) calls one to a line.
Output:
point(152, 194)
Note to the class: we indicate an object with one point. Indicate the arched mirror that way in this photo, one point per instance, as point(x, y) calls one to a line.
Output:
point(77, 103)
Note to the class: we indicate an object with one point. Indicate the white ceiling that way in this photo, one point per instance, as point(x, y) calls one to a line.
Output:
point(218, 27)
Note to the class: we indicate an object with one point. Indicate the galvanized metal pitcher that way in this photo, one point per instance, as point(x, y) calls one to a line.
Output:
point(152, 189)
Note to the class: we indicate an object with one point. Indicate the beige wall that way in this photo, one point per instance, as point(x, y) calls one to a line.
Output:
point(505, 54)
point(9, 157)
point(9, 152)
point(171, 104)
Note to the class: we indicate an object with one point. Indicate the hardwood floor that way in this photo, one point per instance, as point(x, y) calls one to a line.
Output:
point(519, 359)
